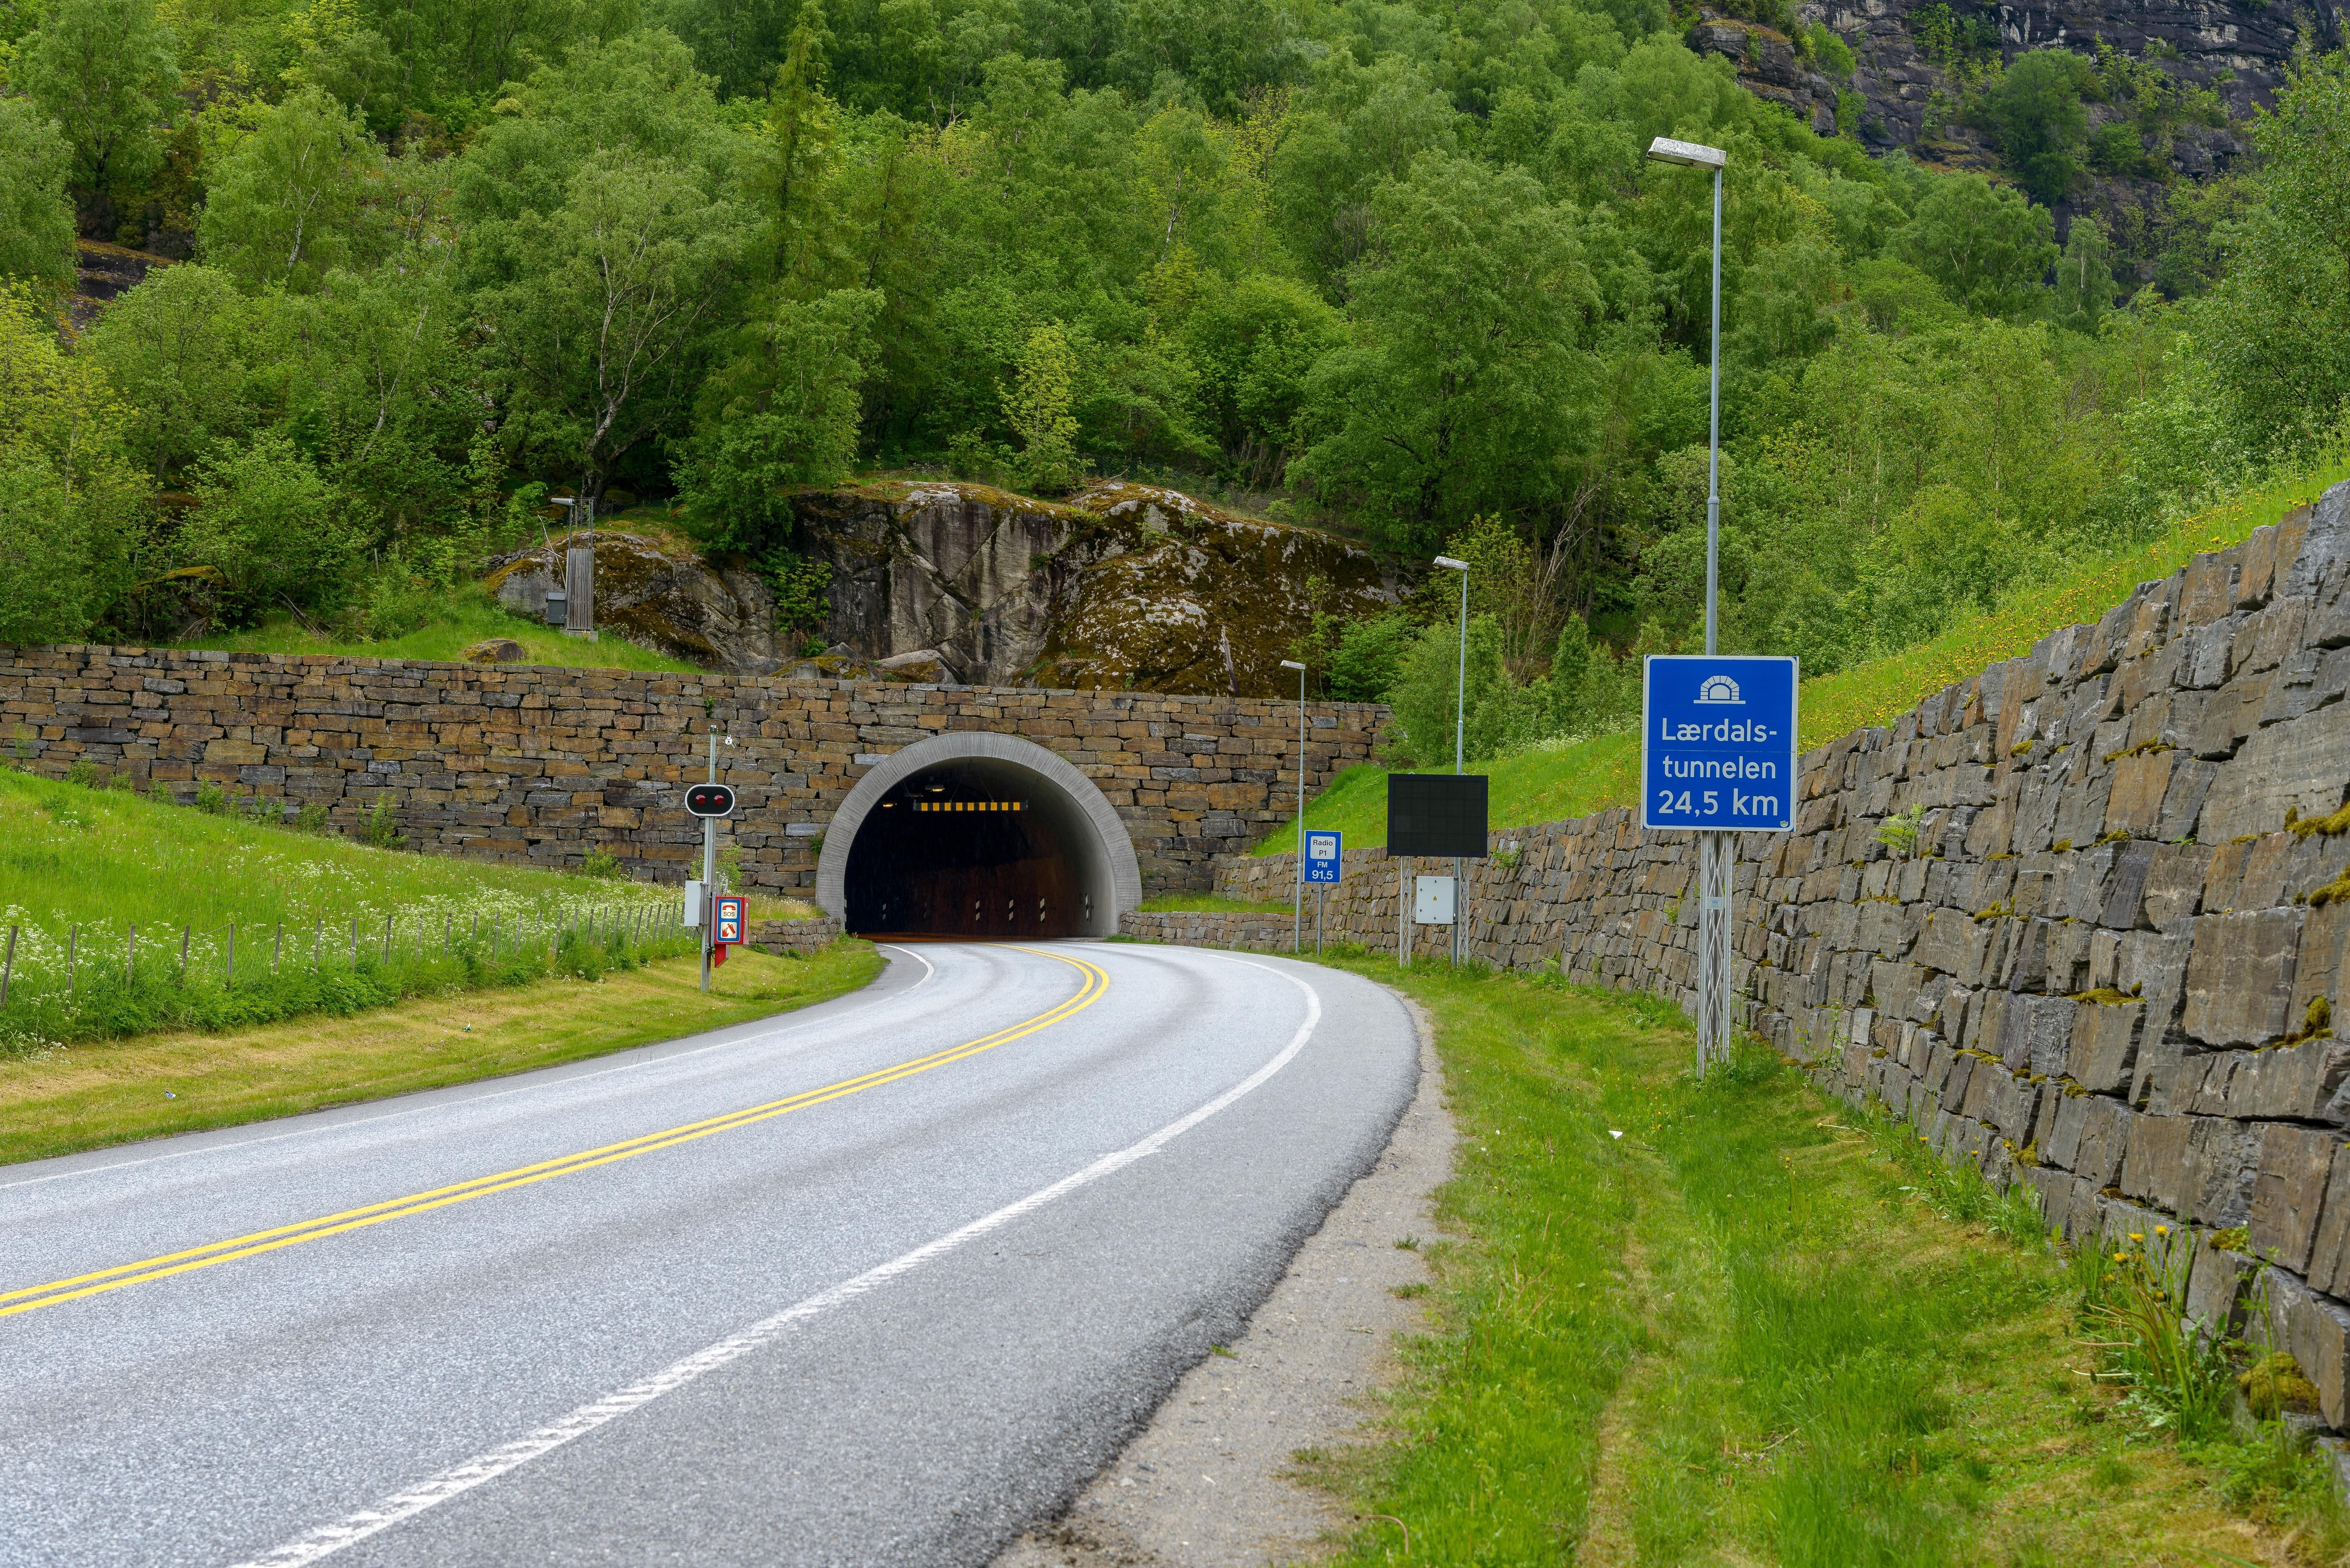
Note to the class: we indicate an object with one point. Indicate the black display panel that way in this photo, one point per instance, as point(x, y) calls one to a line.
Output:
point(1436, 813)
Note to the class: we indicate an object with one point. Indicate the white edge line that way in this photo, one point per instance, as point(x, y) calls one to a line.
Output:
point(351, 1529)
point(929, 973)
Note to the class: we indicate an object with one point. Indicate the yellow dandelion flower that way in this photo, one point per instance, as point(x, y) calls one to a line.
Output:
point(2120, 1257)
point(2138, 1236)
point(2162, 1230)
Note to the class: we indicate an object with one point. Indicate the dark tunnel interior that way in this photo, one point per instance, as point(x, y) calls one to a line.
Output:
point(975, 848)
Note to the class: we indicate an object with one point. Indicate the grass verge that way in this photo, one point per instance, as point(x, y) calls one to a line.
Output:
point(460, 617)
point(1734, 1322)
point(1213, 903)
point(122, 914)
point(89, 1097)
point(1569, 781)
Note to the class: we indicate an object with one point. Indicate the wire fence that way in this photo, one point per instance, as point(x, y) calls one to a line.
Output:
point(96, 981)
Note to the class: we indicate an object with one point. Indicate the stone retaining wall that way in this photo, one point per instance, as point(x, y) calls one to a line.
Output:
point(801, 937)
point(542, 765)
point(2107, 967)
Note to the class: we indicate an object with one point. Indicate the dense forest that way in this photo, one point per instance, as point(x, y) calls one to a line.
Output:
point(1394, 268)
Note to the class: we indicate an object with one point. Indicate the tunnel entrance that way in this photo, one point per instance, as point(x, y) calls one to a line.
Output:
point(977, 835)
point(973, 849)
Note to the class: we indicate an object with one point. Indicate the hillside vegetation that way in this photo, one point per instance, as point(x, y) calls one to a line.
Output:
point(1552, 782)
point(1388, 267)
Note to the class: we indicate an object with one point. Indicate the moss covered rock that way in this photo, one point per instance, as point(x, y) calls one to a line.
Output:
point(1121, 587)
point(657, 590)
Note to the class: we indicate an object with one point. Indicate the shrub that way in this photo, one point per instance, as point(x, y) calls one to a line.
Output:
point(381, 829)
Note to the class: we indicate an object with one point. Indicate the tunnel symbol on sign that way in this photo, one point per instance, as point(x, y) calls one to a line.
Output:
point(1720, 688)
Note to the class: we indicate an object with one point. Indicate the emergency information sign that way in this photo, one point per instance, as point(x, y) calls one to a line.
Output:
point(1718, 744)
point(728, 927)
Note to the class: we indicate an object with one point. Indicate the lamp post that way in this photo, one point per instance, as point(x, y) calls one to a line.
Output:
point(1714, 871)
point(1297, 924)
point(1460, 733)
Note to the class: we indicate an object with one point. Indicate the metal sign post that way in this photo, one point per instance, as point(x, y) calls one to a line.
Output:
point(708, 802)
point(1324, 864)
point(1436, 815)
point(1297, 924)
point(1717, 756)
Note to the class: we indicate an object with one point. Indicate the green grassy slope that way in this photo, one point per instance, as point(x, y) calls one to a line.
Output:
point(321, 924)
point(1734, 1321)
point(1593, 775)
point(464, 617)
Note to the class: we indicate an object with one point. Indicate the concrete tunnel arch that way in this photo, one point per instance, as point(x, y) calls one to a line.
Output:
point(1068, 811)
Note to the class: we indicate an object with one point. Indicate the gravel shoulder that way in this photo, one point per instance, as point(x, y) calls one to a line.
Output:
point(1207, 1484)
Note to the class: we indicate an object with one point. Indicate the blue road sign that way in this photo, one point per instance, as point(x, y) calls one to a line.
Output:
point(728, 922)
point(1718, 744)
point(1324, 855)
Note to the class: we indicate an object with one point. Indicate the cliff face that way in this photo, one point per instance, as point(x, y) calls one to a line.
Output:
point(1124, 585)
point(2237, 47)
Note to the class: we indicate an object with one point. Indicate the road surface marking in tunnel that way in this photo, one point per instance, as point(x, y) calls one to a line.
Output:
point(34, 1297)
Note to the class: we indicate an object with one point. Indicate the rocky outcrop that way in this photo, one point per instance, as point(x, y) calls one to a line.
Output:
point(659, 592)
point(1905, 98)
point(1769, 67)
point(1122, 587)
point(103, 271)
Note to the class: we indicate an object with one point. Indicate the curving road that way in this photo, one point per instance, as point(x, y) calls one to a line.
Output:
point(881, 1281)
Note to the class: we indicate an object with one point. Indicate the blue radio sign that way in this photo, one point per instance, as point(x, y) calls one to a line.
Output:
point(1718, 744)
point(1325, 854)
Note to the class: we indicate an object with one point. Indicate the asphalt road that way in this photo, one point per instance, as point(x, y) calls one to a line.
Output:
point(881, 1281)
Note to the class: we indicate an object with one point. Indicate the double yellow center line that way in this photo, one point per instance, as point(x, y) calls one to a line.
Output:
point(34, 1297)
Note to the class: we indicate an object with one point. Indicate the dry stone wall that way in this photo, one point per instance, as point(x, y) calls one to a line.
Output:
point(543, 765)
point(2110, 965)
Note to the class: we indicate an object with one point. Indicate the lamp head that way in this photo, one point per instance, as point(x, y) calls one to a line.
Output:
point(1292, 664)
point(1449, 563)
point(1695, 155)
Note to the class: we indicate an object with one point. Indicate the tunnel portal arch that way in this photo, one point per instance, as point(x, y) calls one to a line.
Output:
point(975, 833)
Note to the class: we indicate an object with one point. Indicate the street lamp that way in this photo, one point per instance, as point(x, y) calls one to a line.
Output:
point(1460, 733)
point(1712, 847)
point(1297, 925)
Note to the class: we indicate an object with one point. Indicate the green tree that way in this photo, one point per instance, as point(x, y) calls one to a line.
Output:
point(101, 69)
point(272, 528)
point(735, 42)
point(1369, 656)
point(51, 588)
point(286, 203)
point(2275, 333)
point(1465, 388)
point(1986, 246)
point(1036, 407)
point(1429, 688)
point(36, 228)
point(175, 348)
point(68, 497)
point(782, 412)
point(2033, 112)
point(606, 245)
point(2084, 278)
